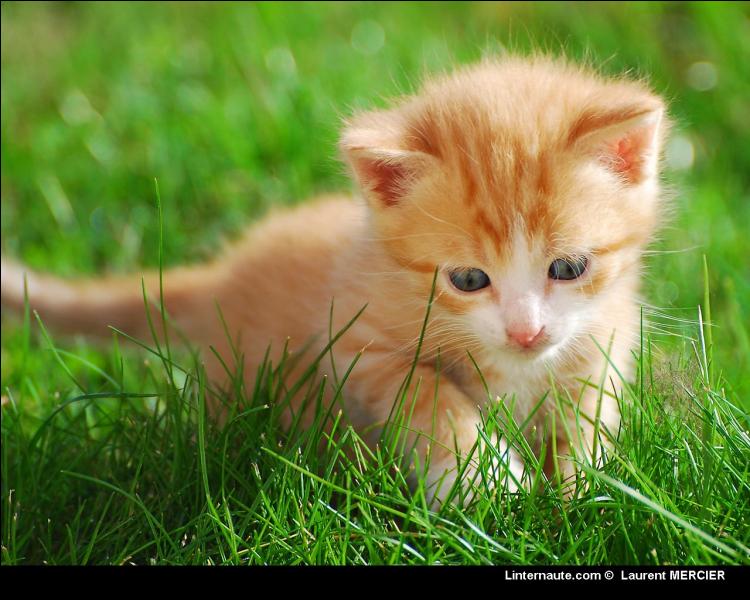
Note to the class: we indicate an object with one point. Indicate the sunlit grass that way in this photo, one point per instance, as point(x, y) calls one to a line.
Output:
point(146, 477)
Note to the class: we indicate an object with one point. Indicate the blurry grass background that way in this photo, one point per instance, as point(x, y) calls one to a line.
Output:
point(236, 108)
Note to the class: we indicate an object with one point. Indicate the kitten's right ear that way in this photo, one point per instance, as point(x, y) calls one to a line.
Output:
point(626, 140)
point(384, 168)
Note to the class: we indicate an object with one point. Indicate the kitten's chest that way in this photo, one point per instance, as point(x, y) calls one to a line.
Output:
point(524, 392)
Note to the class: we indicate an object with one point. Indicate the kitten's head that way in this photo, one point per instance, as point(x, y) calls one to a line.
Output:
point(531, 184)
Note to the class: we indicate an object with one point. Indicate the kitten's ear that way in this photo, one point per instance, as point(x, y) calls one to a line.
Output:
point(384, 169)
point(627, 141)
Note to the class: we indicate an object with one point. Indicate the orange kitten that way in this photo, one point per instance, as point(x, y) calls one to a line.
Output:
point(530, 185)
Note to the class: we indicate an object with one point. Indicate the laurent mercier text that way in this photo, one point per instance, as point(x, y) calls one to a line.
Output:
point(675, 574)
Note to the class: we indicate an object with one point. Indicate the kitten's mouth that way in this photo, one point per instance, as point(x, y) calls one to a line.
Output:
point(530, 353)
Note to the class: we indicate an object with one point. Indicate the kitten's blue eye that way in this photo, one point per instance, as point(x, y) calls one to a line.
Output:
point(469, 280)
point(567, 269)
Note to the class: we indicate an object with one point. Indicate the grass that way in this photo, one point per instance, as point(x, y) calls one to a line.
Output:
point(107, 455)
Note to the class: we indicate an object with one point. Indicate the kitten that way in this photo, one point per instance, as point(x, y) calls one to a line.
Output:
point(524, 189)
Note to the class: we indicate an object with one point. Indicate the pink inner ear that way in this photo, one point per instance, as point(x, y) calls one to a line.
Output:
point(386, 179)
point(625, 156)
point(631, 154)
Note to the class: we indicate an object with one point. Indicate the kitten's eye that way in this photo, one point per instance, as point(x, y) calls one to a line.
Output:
point(469, 280)
point(567, 269)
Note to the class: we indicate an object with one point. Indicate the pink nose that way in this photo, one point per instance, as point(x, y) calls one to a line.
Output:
point(524, 337)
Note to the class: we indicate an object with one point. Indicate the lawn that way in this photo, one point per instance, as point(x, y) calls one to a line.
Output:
point(107, 455)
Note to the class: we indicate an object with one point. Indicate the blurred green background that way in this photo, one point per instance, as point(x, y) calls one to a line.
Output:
point(236, 107)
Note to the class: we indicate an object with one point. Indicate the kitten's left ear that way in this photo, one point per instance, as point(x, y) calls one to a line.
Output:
point(627, 141)
point(385, 168)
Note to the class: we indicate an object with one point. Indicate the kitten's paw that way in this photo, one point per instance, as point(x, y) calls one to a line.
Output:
point(489, 469)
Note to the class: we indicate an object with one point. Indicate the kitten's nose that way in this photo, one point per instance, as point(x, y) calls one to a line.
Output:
point(525, 337)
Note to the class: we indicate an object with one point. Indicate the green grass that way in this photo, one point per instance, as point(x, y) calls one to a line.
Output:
point(107, 456)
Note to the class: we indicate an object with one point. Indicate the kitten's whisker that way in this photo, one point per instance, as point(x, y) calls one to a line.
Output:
point(414, 235)
point(433, 217)
point(680, 251)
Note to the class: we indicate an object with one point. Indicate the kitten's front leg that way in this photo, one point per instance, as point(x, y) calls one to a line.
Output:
point(587, 432)
point(439, 421)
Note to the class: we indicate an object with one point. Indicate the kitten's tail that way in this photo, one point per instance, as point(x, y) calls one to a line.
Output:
point(93, 306)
